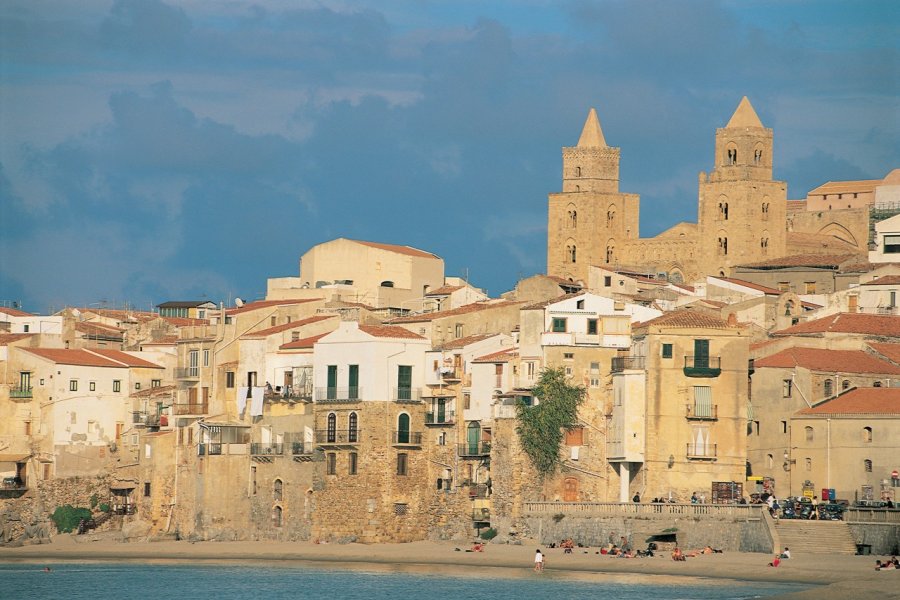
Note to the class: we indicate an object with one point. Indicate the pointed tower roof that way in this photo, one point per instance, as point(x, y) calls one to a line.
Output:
point(592, 135)
point(744, 116)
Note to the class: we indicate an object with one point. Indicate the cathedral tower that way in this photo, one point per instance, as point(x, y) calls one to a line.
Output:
point(741, 214)
point(590, 217)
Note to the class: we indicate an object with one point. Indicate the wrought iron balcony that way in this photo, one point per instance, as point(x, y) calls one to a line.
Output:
point(696, 412)
point(301, 448)
point(702, 366)
point(407, 438)
point(213, 449)
point(338, 394)
point(627, 363)
point(190, 408)
point(406, 394)
point(20, 392)
point(146, 419)
point(451, 374)
point(701, 452)
point(474, 449)
point(440, 418)
point(326, 436)
point(257, 449)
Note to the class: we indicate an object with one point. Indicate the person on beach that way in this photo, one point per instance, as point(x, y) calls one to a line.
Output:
point(786, 553)
point(637, 498)
point(814, 515)
point(678, 555)
point(775, 561)
point(538, 561)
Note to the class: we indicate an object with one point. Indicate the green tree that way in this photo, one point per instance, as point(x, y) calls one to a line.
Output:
point(541, 427)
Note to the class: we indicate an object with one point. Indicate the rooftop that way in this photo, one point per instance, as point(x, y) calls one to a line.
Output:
point(844, 187)
point(91, 358)
point(262, 333)
point(304, 343)
point(498, 357)
point(388, 331)
point(832, 361)
point(886, 280)
point(859, 401)
point(267, 304)
point(462, 310)
point(687, 319)
point(464, 341)
point(863, 324)
point(889, 351)
point(822, 261)
point(14, 312)
point(407, 250)
point(444, 290)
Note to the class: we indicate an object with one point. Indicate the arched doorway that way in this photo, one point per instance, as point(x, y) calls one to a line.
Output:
point(570, 489)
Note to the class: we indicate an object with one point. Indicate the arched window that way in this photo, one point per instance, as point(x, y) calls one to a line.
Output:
point(764, 245)
point(278, 490)
point(723, 246)
point(353, 428)
point(845, 384)
point(829, 388)
point(867, 434)
point(770, 461)
point(573, 218)
point(277, 516)
point(572, 254)
point(757, 156)
point(731, 154)
point(610, 215)
point(577, 171)
point(331, 430)
point(765, 211)
point(387, 284)
point(723, 211)
point(403, 428)
point(809, 433)
point(809, 464)
point(867, 466)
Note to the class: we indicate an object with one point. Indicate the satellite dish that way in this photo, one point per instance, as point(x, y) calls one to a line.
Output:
point(238, 302)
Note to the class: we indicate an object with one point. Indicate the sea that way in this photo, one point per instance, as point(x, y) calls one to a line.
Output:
point(294, 580)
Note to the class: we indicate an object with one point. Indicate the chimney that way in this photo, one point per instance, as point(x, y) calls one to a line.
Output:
point(732, 320)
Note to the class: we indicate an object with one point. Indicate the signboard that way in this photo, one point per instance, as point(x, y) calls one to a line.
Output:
point(727, 492)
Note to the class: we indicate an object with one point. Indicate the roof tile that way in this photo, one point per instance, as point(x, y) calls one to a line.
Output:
point(462, 310)
point(863, 324)
point(833, 361)
point(859, 401)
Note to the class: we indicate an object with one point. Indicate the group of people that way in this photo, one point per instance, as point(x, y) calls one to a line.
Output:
point(779, 557)
point(679, 555)
point(891, 564)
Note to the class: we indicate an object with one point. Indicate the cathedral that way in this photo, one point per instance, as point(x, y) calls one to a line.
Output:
point(742, 213)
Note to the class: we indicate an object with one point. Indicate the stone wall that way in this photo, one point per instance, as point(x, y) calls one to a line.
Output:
point(883, 537)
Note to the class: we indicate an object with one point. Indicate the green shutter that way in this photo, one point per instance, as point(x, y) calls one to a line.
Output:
point(701, 354)
point(353, 382)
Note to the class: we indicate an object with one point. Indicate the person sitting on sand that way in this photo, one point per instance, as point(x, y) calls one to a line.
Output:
point(478, 547)
point(877, 565)
point(786, 553)
point(775, 561)
point(678, 555)
point(887, 565)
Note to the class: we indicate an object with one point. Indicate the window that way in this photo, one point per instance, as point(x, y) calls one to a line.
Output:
point(194, 363)
point(764, 244)
point(809, 464)
point(137, 385)
point(845, 384)
point(667, 350)
point(27, 430)
point(701, 354)
point(331, 390)
point(458, 330)
point(402, 464)
point(92, 386)
point(403, 428)
point(278, 490)
point(155, 383)
point(610, 254)
point(770, 461)
point(26, 328)
point(876, 384)
point(784, 427)
point(331, 463)
point(579, 304)
point(784, 286)
point(867, 434)
point(575, 437)
point(892, 244)
point(829, 388)
point(352, 463)
point(404, 382)
point(146, 489)
point(572, 253)
point(467, 401)
point(277, 515)
point(786, 388)
point(331, 428)
point(723, 246)
point(809, 287)
point(592, 326)
point(273, 321)
point(569, 355)
point(558, 325)
point(229, 379)
point(353, 428)
point(810, 434)
point(577, 171)
point(206, 358)
point(607, 281)
point(867, 466)
point(353, 382)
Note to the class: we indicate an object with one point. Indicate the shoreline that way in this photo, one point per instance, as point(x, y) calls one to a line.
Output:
point(832, 576)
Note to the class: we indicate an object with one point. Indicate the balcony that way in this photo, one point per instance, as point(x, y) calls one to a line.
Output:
point(266, 449)
point(20, 392)
point(440, 418)
point(301, 448)
point(696, 412)
point(145, 419)
point(190, 409)
point(701, 452)
point(329, 437)
point(406, 394)
point(702, 366)
point(209, 449)
point(452, 374)
point(329, 395)
point(407, 438)
point(187, 373)
point(474, 449)
point(628, 363)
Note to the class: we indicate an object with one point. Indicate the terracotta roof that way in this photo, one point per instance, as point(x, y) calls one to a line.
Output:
point(262, 333)
point(498, 357)
point(762, 344)
point(77, 357)
point(303, 343)
point(844, 187)
point(266, 304)
point(151, 392)
point(8, 338)
point(546, 303)
point(465, 341)
point(889, 351)
point(882, 325)
point(99, 330)
point(860, 401)
point(462, 310)
point(407, 250)
point(689, 288)
point(126, 358)
point(122, 315)
point(687, 318)
point(833, 361)
point(860, 267)
point(445, 290)
point(753, 286)
point(562, 281)
point(14, 312)
point(184, 321)
point(337, 304)
point(168, 340)
point(388, 331)
point(886, 280)
point(804, 260)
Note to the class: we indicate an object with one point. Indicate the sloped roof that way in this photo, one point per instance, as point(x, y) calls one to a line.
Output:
point(125, 358)
point(388, 331)
point(77, 357)
point(7, 338)
point(744, 116)
point(798, 243)
point(444, 290)
point(889, 351)
point(462, 310)
point(14, 312)
point(835, 361)
point(498, 357)
point(804, 260)
point(753, 286)
point(99, 329)
point(886, 280)
point(844, 187)
point(307, 342)
point(152, 392)
point(546, 303)
point(592, 133)
point(407, 250)
point(266, 304)
point(881, 325)
point(262, 333)
point(860, 401)
point(464, 341)
point(687, 319)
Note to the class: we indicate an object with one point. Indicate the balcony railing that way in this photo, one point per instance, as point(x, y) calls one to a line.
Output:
point(187, 373)
point(191, 408)
point(696, 412)
point(701, 452)
point(406, 394)
point(702, 366)
point(407, 438)
point(146, 419)
point(440, 418)
point(338, 394)
point(213, 449)
point(301, 448)
point(474, 449)
point(20, 392)
point(325, 436)
point(481, 514)
point(266, 449)
point(451, 374)
point(628, 363)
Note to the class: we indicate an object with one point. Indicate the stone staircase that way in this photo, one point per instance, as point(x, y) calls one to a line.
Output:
point(815, 537)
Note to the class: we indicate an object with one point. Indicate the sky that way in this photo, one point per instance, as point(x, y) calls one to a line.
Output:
point(154, 151)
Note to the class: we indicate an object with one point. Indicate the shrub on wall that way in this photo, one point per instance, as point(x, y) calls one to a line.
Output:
point(66, 518)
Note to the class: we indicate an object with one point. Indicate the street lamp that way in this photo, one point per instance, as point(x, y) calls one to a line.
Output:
point(788, 461)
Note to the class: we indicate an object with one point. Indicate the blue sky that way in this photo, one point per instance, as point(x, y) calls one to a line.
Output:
point(157, 150)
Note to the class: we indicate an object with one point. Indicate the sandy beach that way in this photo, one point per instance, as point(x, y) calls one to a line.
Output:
point(835, 576)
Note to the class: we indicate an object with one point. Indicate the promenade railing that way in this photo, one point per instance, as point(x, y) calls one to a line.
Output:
point(747, 511)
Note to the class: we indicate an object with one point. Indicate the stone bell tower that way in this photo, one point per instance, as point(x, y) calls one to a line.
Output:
point(741, 212)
